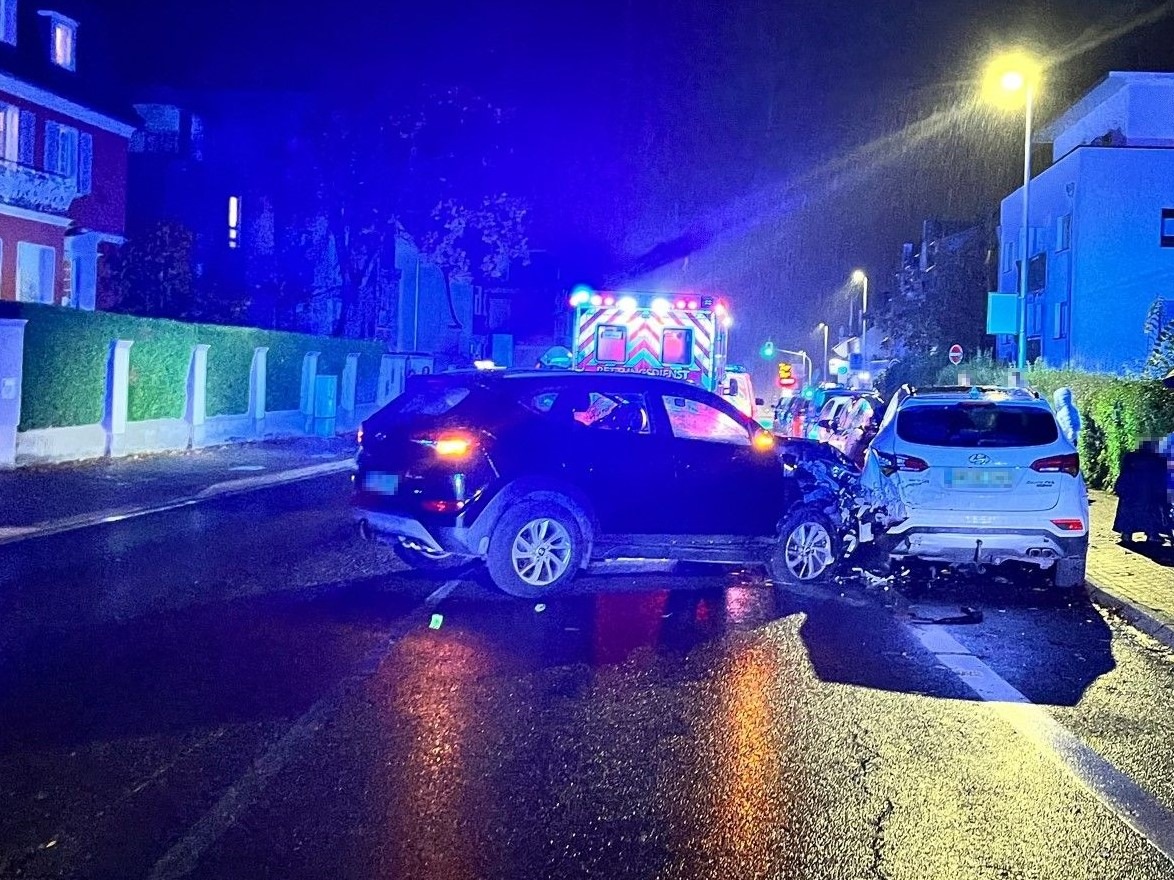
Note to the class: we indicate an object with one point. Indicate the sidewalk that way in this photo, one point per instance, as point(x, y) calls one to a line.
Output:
point(1138, 585)
point(59, 497)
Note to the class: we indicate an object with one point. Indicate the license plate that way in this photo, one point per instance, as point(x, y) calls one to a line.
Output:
point(383, 484)
point(979, 478)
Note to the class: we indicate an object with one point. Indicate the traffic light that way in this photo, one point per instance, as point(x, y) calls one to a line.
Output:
point(786, 375)
point(768, 350)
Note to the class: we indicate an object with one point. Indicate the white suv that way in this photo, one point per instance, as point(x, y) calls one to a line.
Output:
point(984, 476)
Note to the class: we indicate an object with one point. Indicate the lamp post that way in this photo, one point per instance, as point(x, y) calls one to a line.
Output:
point(859, 277)
point(1010, 79)
point(824, 327)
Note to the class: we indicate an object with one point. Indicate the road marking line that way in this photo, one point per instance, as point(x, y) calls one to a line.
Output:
point(1132, 804)
point(13, 535)
point(183, 858)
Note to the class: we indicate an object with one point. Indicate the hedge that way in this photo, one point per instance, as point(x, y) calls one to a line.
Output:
point(67, 353)
point(1116, 412)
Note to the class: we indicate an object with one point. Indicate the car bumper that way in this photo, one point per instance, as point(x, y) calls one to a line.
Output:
point(387, 526)
point(954, 546)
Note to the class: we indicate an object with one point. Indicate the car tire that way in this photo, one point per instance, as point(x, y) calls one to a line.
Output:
point(535, 550)
point(808, 550)
point(1070, 572)
point(422, 559)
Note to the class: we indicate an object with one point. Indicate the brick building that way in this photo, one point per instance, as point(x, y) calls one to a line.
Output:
point(64, 140)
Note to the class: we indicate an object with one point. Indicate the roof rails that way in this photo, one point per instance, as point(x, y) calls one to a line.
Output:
point(1021, 393)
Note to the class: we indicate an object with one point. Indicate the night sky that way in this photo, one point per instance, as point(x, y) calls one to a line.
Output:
point(728, 131)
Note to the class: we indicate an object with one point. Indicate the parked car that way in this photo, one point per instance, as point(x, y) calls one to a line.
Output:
point(739, 390)
point(984, 476)
point(791, 416)
point(855, 425)
point(537, 473)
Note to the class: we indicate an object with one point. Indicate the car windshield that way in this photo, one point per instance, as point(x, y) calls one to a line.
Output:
point(968, 425)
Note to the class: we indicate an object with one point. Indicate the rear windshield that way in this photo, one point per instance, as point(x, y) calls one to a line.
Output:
point(976, 424)
point(427, 398)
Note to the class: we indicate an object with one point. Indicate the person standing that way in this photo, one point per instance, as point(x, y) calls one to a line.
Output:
point(1141, 495)
point(1067, 415)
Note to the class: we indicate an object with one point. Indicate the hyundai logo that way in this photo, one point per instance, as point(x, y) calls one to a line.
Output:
point(980, 459)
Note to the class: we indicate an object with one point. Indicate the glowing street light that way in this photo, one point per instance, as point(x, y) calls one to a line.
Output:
point(824, 327)
point(1012, 80)
point(859, 277)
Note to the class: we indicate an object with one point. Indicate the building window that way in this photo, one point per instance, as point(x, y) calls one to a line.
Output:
point(1060, 320)
point(234, 221)
point(36, 269)
point(8, 21)
point(1168, 227)
point(9, 133)
point(1064, 233)
point(62, 40)
point(1009, 256)
point(61, 149)
point(1037, 272)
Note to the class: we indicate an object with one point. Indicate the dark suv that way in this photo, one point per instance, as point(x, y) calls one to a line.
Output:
point(538, 473)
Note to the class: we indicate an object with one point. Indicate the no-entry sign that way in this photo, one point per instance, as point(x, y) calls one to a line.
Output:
point(955, 354)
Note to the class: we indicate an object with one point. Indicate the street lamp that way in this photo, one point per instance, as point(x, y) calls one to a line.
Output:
point(859, 277)
point(824, 327)
point(1012, 80)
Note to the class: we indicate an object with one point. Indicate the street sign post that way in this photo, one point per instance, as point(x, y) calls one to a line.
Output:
point(955, 354)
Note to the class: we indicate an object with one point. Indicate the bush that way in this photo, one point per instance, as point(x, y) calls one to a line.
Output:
point(67, 355)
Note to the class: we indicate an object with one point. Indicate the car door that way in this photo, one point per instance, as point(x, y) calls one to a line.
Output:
point(726, 485)
point(616, 455)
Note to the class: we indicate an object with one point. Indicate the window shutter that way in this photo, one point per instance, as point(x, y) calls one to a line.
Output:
point(10, 21)
point(52, 146)
point(85, 165)
point(28, 138)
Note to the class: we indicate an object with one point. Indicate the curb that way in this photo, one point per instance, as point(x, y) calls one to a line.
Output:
point(1140, 617)
point(15, 534)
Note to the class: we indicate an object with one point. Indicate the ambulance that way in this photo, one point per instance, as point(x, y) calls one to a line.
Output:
point(679, 336)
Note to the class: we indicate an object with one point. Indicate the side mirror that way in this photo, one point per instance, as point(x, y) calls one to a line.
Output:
point(758, 401)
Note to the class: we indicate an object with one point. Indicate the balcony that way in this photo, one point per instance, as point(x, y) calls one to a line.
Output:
point(33, 189)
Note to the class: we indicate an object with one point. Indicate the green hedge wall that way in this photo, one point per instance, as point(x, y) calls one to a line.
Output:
point(67, 354)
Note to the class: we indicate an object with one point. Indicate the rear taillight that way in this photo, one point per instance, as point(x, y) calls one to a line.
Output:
point(1058, 464)
point(1069, 525)
point(898, 462)
point(451, 445)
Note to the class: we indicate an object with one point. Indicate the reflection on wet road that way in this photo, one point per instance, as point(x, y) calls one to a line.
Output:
point(245, 690)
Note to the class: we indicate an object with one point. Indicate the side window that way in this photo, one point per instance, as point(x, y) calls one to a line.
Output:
point(626, 413)
point(694, 420)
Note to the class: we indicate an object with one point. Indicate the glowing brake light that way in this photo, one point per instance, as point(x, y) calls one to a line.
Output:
point(450, 446)
point(359, 436)
point(1069, 525)
point(693, 304)
point(764, 442)
point(609, 300)
point(910, 463)
point(1058, 464)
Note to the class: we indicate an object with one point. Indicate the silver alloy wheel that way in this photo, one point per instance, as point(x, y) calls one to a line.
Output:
point(808, 552)
point(541, 552)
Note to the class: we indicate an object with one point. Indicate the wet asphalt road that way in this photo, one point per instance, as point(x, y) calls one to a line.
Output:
point(244, 689)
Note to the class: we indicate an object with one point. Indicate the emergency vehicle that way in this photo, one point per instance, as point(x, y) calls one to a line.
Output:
point(674, 335)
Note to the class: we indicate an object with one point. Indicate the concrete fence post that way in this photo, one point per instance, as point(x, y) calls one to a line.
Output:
point(350, 382)
point(197, 408)
point(117, 394)
point(258, 379)
point(11, 376)
point(309, 377)
point(385, 391)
